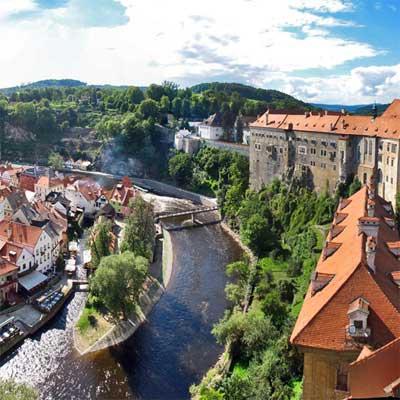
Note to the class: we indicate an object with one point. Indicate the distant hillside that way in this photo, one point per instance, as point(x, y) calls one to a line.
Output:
point(43, 84)
point(367, 110)
point(274, 98)
point(360, 109)
point(61, 83)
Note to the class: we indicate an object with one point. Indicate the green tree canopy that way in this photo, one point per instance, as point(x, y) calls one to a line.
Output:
point(100, 242)
point(180, 168)
point(139, 234)
point(118, 282)
point(10, 390)
point(56, 161)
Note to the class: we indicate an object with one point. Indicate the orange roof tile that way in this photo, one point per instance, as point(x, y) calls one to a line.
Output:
point(6, 267)
point(376, 373)
point(323, 318)
point(15, 232)
point(385, 126)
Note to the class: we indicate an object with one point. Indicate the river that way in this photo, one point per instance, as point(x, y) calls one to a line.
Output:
point(169, 352)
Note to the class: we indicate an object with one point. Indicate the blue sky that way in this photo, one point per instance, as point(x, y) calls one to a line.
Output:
point(336, 51)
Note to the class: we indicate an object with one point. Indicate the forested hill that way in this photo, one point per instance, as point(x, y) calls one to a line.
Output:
point(274, 98)
point(44, 84)
point(57, 83)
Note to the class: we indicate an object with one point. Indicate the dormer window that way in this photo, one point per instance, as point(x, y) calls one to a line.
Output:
point(394, 248)
point(369, 226)
point(358, 317)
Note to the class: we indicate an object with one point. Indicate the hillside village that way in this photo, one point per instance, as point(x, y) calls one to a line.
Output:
point(42, 216)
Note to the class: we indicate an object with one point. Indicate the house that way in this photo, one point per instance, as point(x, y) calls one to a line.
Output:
point(353, 297)
point(30, 176)
point(9, 175)
point(376, 373)
point(321, 147)
point(87, 195)
point(45, 185)
point(122, 194)
point(59, 202)
point(211, 128)
point(12, 202)
point(29, 247)
point(8, 282)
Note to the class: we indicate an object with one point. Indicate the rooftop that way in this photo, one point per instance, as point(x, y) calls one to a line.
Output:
point(323, 319)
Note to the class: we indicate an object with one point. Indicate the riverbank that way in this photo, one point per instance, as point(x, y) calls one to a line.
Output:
point(29, 320)
point(108, 334)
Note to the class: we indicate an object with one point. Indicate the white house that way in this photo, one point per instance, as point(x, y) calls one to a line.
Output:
point(87, 195)
point(27, 246)
point(211, 128)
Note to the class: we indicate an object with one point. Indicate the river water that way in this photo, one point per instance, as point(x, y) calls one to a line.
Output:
point(169, 352)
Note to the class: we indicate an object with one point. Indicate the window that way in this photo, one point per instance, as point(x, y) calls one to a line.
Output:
point(312, 163)
point(391, 181)
point(257, 146)
point(388, 147)
point(341, 380)
point(358, 324)
point(323, 165)
point(313, 151)
point(323, 153)
point(394, 148)
point(370, 147)
point(365, 178)
point(392, 162)
point(302, 149)
point(387, 161)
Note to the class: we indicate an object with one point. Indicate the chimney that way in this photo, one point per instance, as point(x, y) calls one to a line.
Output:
point(371, 188)
point(370, 250)
point(371, 208)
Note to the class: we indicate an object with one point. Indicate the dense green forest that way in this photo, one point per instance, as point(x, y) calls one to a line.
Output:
point(284, 225)
point(131, 117)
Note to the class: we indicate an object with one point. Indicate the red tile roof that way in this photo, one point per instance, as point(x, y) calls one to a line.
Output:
point(375, 373)
point(386, 126)
point(323, 318)
point(14, 232)
point(6, 267)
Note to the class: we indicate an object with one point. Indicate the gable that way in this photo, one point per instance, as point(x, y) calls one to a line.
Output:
point(327, 330)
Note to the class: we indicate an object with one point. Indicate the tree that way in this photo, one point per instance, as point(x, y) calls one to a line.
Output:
point(180, 168)
point(355, 186)
point(101, 241)
point(257, 234)
point(140, 231)
point(248, 333)
point(10, 390)
point(134, 95)
point(149, 108)
point(56, 161)
point(165, 104)
point(118, 282)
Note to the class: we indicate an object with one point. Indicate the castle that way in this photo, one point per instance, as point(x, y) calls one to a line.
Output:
point(325, 148)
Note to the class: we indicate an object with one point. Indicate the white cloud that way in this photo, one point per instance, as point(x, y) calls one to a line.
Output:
point(10, 7)
point(252, 41)
point(361, 85)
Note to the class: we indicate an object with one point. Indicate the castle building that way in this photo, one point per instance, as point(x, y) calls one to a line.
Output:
point(325, 148)
point(352, 306)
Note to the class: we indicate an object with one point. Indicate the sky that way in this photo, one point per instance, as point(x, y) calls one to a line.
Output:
point(326, 51)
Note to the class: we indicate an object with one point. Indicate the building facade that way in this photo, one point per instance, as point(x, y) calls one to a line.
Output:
point(211, 128)
point(324, 149)
point(353, 298)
